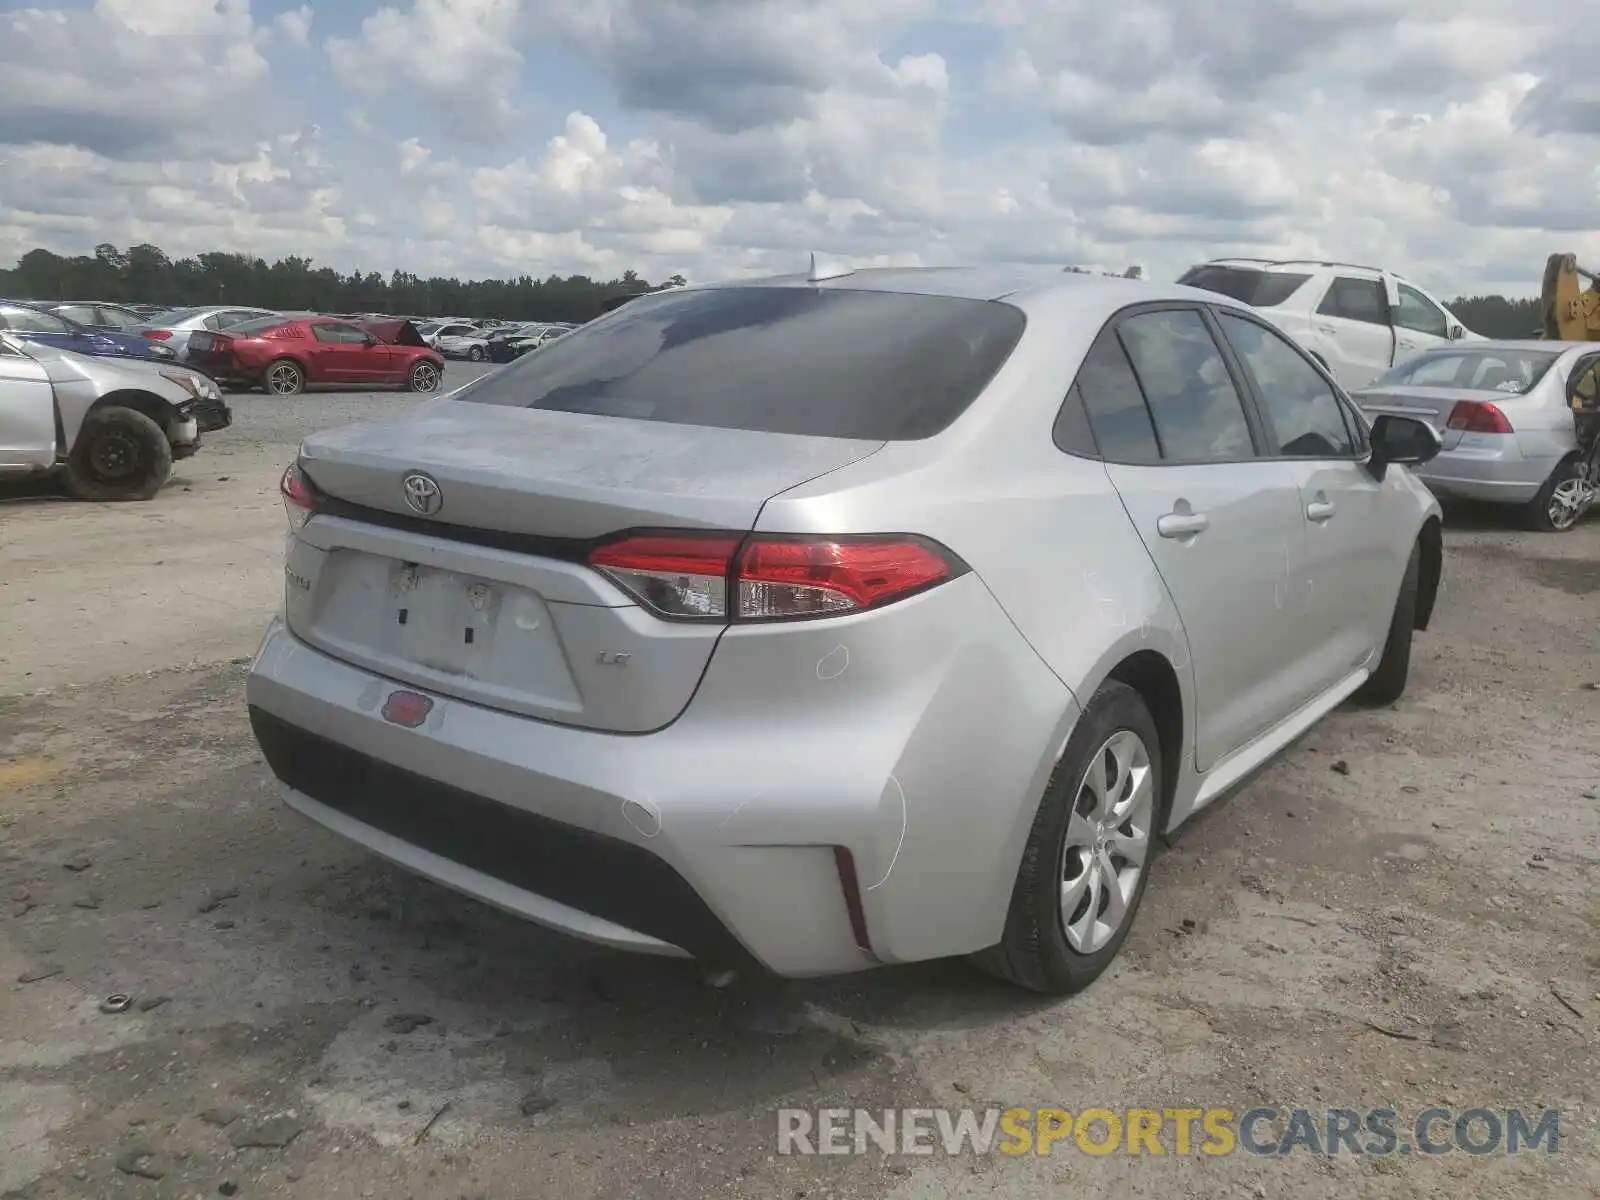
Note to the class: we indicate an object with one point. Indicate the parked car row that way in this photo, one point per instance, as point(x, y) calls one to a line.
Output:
point(498, 342)
point(1504, 409)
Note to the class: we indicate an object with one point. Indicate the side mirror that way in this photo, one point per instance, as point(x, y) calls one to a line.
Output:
point(1456, 333)
point(1403, 440)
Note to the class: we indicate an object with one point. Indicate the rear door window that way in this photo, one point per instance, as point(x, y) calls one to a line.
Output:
point(1355, 300)
point(1198, 414)
point(881, 366)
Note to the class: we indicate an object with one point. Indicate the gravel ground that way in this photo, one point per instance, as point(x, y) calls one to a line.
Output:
point(1401, 912)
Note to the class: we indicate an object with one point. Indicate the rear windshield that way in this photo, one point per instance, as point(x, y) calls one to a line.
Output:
point(1260, 289)
point(1489, 370)
point(881, 366)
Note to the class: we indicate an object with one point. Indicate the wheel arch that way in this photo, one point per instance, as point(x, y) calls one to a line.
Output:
point(1153, 677)
point(158, 408)
point(1431, 570)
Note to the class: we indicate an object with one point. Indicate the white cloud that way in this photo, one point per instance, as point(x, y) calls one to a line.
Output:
point(458, 54)
point(1450, 139)
point(295, 24)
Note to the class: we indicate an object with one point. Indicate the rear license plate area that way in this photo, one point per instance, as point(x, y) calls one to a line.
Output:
point(442, 620)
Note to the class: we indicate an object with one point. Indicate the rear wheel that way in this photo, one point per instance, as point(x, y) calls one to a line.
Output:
point(475, 354)
point(1085, 865)
point(120, 454)
point(1387, 683)
point(284, 378)
point(424, 377)
point(1555, 508)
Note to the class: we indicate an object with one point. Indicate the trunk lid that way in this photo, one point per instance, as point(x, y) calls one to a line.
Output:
point(1431, 404)
point(210, 352)
point(487, 598)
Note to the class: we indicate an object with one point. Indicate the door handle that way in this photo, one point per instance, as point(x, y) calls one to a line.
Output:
point(1320, 510)
point(1327, 329)
point(1181, 525)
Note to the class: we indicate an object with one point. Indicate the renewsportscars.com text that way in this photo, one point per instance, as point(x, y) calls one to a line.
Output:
point(1263, 1130)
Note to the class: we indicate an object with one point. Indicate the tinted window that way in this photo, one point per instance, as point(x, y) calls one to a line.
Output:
point(1498, 369)
point(1071, 432)
point(1197, 411)
point(1260, 289)
point(29, 320)
point(1355, 300)
point(1298, 403)
point(1116, 408)
point(1417, 312)
point(820, 362)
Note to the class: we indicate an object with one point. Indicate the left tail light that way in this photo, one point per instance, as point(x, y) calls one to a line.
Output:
point(299, 498)
point(731, 577)
point(1477, 416)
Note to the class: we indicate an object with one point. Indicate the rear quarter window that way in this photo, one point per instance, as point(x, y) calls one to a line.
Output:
point(1259, 289)
point(880, 366)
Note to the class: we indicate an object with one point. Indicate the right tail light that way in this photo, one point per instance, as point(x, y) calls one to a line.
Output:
point(735, 577)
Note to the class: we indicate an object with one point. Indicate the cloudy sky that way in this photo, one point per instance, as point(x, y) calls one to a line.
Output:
point(1451, 140)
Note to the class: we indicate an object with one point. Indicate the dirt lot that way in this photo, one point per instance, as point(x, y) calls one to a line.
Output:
point(1402, 912)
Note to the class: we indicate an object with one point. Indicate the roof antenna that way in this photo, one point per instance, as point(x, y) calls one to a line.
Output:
point(822, 269)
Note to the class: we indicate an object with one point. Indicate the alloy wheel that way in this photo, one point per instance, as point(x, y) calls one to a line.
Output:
point(1107, 841)
point(1564, 502)
point(425, 377)
point(284, 379)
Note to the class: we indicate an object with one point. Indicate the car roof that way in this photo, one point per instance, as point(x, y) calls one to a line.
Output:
point(1016, 283)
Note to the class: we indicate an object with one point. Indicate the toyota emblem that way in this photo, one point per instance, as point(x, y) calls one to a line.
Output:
point(422, 493)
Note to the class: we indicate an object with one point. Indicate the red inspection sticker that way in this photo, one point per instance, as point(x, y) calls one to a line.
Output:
point(407, 708)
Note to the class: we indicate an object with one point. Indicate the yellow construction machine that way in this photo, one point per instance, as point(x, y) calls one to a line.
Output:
point(1571, 311)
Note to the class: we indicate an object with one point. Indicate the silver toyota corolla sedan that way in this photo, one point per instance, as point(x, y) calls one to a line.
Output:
point(840, 619)
point(1504, 411)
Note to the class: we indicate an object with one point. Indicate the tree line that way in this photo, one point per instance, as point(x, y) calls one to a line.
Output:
point(144, 274)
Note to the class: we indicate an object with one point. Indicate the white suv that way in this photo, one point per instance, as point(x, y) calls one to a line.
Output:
point(1356, 321)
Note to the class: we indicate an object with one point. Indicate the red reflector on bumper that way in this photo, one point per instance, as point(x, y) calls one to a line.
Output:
point(407, 708)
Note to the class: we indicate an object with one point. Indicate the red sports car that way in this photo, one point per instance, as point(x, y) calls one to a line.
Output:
point(286, 355)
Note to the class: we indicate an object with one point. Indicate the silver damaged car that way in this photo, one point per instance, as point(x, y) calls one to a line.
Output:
point(110, 428)
point(844, 618)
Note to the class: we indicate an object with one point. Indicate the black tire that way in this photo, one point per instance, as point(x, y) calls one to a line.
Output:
point(475, 354)
point(1537, 514)
point(425, 376)
point(119, 454)
point(1034, 951)
point(1387, 683)
point(283, 377)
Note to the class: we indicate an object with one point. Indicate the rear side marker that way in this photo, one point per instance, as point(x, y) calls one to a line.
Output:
point(850, 883)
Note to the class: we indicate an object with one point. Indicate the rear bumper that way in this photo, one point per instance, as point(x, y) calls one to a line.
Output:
point(1493, 468)
point(714, 837)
